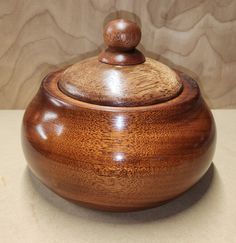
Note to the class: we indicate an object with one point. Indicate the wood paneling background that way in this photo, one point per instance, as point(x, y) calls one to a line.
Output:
point(197, 36)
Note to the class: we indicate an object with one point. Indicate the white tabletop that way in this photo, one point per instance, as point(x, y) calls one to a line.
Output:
point(29, 212)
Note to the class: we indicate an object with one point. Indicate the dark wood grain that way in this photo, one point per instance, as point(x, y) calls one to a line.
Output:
point(118, 158)
point(121, 36)
point(120, 58)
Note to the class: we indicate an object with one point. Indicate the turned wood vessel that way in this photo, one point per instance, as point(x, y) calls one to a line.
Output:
point(119, 131)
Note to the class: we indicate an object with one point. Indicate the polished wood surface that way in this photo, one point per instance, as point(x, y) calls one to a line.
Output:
point(98, 83)
point(197, 37)
point(118, 158)
point(121, 58)
point(121, 36)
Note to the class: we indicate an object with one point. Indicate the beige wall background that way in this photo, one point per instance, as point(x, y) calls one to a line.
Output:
point(196, 36)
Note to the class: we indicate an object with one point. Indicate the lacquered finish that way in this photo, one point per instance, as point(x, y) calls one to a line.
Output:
point(118, 158)
point(98, 83)
point(133, 57)
point(121, 36)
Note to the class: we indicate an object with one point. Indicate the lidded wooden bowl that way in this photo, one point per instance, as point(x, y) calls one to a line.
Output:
point(119, 131)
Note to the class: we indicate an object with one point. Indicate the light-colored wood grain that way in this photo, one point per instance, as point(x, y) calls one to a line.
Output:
point(196, 36)
point(92, 81)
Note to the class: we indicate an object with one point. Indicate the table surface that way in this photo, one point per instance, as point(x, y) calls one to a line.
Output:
point(29, 212)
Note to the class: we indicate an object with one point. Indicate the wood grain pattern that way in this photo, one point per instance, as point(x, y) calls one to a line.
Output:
point(121, 58)
point(197, 36)
point(121, 36)
point(118, 158)
point(148, 83)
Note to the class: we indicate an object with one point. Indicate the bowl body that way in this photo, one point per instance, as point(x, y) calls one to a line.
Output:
point(118, 158)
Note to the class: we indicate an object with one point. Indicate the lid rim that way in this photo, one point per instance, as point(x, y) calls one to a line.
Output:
point(189, 97)
point(118, 103)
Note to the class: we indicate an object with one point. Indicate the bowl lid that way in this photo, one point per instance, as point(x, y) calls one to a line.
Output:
point(120, 75)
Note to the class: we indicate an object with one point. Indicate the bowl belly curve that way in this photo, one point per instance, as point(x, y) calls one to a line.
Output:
point(116, 160)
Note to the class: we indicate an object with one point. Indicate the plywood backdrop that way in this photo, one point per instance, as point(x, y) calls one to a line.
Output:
point(196, 36)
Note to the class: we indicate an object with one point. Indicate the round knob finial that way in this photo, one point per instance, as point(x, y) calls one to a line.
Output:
point(122, 35)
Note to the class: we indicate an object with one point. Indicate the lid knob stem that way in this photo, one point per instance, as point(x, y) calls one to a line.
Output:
point(121, 36)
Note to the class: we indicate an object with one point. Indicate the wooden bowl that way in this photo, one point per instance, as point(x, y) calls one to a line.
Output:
point(95, 145)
